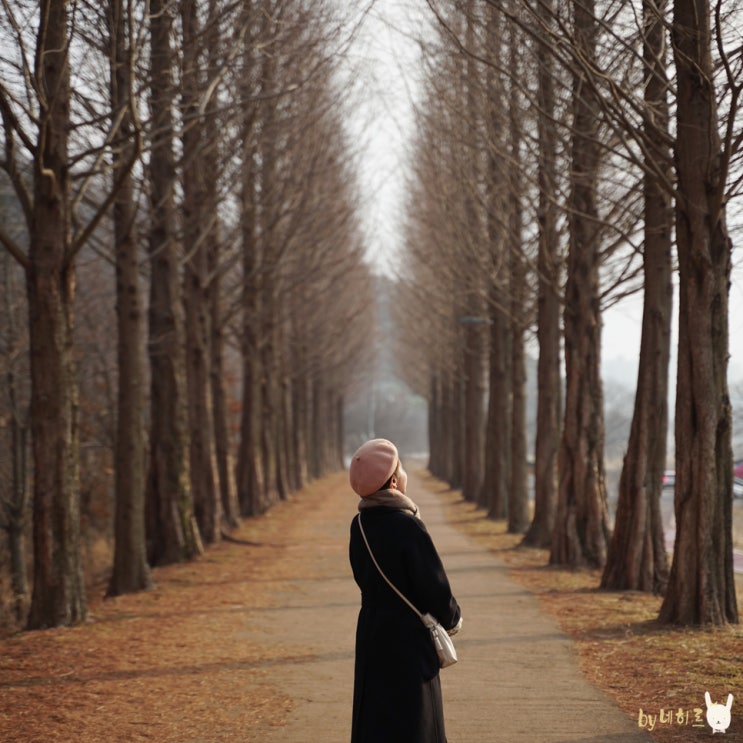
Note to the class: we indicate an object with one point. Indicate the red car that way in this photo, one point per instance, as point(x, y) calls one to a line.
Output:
point(738, 469)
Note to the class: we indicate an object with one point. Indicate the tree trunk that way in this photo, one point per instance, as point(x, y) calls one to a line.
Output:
point(549, 386)
point(59, 587)
point(474, 342)
point(15, 510)
point(130, 570)
point(435, 448)
point(196, 285)
point(220, 405)
point(581, 532)
point(701, 588)
point(637, 557)
point(214, 249)
point(474, 404)
point(494, 496)
point(172, 531)
point(456, 421)
point(518, 495)
point(249, 473)
point(494, 492)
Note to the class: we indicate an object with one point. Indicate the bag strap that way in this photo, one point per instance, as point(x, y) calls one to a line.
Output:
point(381, 572)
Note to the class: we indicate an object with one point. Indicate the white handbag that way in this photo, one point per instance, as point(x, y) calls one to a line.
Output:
point(444, 645)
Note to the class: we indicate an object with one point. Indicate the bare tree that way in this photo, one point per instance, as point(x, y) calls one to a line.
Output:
point(130, 570)
point(495, 492)
point(637, 557)
point(701, 588)
point(519, 312)
point(15, 491)
point(196, 284)
point(249, 470)
point(549, 386)
point(59, 590)
point(172, 532)
point(581, 528)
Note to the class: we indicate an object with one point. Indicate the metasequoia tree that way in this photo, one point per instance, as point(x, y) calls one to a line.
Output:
point(451, 141)
point(519, 309)
point(15, 492)
point(130, 570)
point(197, 287)
point(422, 308)
point(495, 491)
point(701, 588)
point(218, 258)
point(581, 528)
point(637, 557)
point(66, 124)
point(636, 113)
point(473, 309)
point(432, 307)
point(172, 533)
point(448, 235)
point(549, 385)
point(297, 236)
point(59, 591)
point(248, 470)
point(489, 41)
point(261, 92)
point(322, 270)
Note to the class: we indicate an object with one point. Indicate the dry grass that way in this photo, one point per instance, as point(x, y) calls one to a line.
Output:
point(169, 665)
point(622, 648)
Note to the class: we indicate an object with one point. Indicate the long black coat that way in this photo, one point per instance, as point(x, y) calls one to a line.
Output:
point(397, 694)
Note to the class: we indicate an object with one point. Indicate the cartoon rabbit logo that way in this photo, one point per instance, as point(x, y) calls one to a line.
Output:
point(718, 715)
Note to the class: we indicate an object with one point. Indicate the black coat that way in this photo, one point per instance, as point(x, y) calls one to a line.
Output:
point(397, 694)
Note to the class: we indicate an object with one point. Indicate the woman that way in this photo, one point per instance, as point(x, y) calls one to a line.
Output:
point(397, 692)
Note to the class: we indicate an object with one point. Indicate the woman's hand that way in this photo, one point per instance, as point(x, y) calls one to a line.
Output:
point(453, 631)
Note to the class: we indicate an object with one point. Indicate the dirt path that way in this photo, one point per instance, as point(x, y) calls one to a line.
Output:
point(254, 643)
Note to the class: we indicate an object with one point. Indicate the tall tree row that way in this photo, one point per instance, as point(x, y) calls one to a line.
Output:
point(572, 104)
point(194, 159)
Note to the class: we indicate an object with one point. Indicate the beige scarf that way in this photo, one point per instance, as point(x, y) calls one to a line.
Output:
point(390, 498)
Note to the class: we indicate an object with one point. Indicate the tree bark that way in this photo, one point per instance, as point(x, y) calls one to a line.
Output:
point(59, 588)
point(518, 496)
point(173, 535)
point(475, 346)
point(130, 570)
point(474, 342)
point(549, 385)
point(493, 495)
point(196, 285)
point(637, 558)
point(701, 588)
point(581, 531)
point(217, 367)
point(14, 510)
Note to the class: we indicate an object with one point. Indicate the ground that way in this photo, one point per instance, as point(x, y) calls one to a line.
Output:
point(165, 650)
point(622, 648)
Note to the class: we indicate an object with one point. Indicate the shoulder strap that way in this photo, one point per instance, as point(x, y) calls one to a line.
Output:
point(381, 572)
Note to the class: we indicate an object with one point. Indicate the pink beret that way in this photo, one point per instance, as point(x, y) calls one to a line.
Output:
point(372, 465)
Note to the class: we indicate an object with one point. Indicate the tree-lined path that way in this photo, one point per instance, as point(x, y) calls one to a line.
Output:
point(254, 642)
